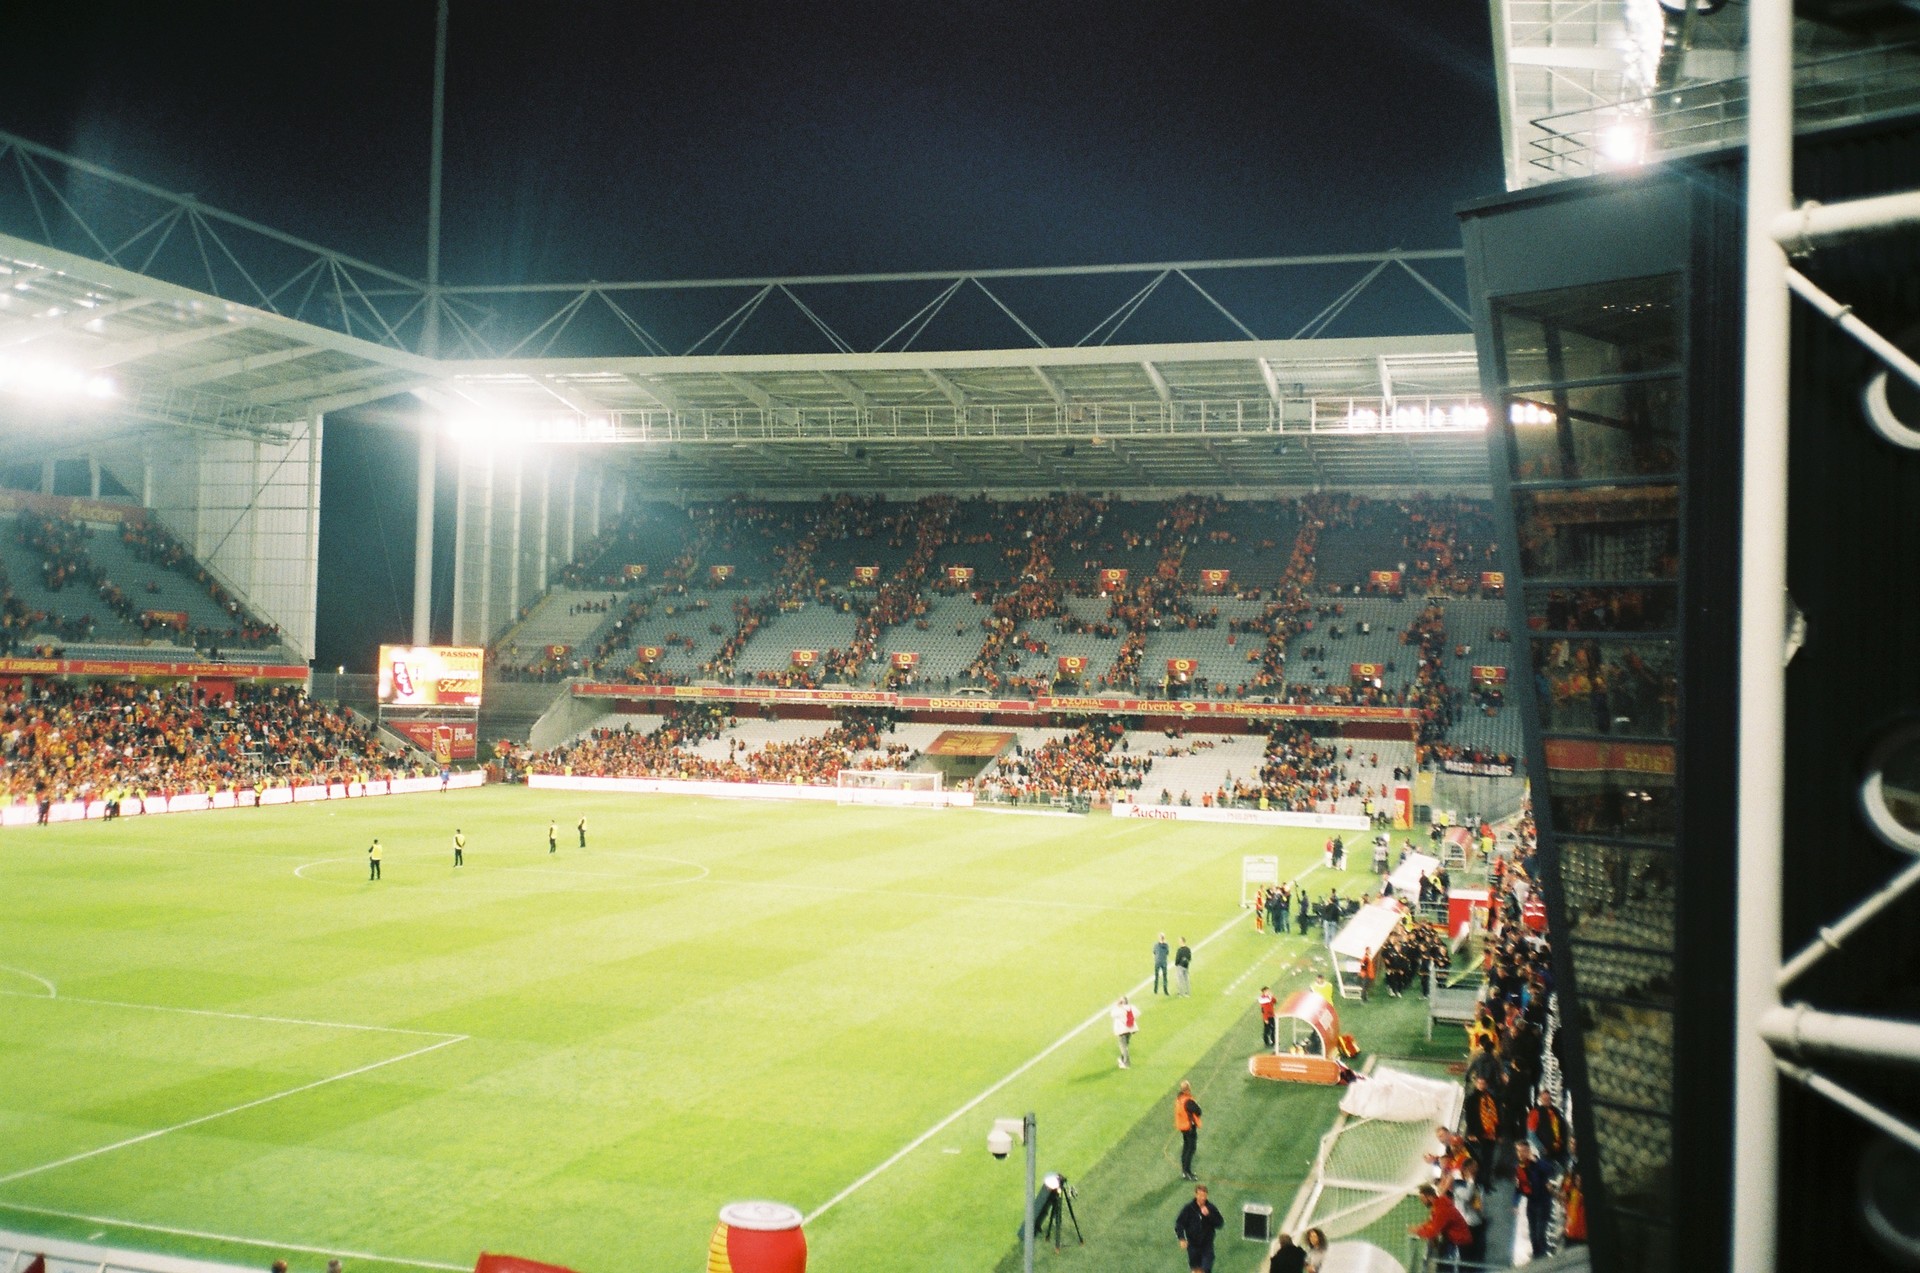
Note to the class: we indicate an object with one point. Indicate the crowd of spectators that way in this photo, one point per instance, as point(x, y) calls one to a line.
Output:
point(61, 544)
point(1092, 763)
point(75, 739)
point(857, 740)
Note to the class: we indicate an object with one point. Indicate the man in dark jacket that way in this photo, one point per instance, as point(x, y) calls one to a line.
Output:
point(1198, 1221)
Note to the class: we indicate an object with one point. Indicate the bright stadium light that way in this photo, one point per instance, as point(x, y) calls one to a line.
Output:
point(39, 378)
point(491, 431)
point(1530, 413)
point(1623, 143)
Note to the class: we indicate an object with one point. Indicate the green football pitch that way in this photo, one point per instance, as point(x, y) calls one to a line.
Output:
point(218, 1038)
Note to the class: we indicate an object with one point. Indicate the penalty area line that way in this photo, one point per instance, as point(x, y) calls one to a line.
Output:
point(981, 1099)
point(70, 1159)
point(234, 1238)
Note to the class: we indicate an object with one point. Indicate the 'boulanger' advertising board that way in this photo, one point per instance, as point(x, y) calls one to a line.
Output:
point(430, 675)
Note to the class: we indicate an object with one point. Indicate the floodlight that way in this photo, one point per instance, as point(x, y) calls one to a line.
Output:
point(1622, 143)
point(40, 378)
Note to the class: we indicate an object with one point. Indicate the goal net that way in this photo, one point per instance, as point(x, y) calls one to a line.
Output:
point(889, 786)
point(1371, 1162)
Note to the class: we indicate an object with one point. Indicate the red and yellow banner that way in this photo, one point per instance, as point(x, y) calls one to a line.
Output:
point(648, 654)
point(1581, 755)
point(1073, 664)
point(1182, 667)
point(1367, 671)
point(719, 574)
point(430, 675)
point(905, 659)
point(1113, 578)
point(1492, 579)
point(805, 658)
point(1489, 674)
point(636, 570)
point(969, 742)
point(1042, 706)
point(73, 506)
point(1385, 580)
point(172, 618)
point(1215, 580)
point(960, 574)
point(866, 574)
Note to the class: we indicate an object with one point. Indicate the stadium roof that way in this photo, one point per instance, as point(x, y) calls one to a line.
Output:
point(281, 329)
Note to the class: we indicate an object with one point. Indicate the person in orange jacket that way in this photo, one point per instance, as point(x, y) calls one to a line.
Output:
point(1186, 1121)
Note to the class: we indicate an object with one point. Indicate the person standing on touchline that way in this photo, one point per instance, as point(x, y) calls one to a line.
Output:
point(1126, 1020)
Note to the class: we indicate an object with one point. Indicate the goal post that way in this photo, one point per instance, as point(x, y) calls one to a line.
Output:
point(890, 786)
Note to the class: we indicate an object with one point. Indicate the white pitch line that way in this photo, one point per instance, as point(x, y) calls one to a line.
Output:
point(229, 1237)
point(235, 1016)
point(70, 1159)
point(52, 991)
point(972, 1104)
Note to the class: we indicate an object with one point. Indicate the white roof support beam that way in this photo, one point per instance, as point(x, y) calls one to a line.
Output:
point(570, 395)
point(651, 386)
point(853, 392)
point(1052, 386)
point(1272, 381)
point(1386, 381)
point(71, 320)
point(754, 393)
point(1161, 389)
point(315, 386)
point(134, 351)
point(948, 389)
point(226, 367)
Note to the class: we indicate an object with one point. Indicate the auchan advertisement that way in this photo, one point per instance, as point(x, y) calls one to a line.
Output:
point(430, 675)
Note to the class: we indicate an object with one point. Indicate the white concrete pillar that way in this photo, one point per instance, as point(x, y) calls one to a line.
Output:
point(93, 477)
point(515, 538)
point(423, 536)
point(146, 477)
point(599, 501)
point(545, 538)
point(460, 540)
point(486, 554)
point(573, 507)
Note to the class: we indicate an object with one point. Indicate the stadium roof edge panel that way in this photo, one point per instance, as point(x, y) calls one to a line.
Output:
point(1331, 348)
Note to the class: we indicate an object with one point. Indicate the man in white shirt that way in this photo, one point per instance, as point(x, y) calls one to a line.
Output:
point(1126, 1020)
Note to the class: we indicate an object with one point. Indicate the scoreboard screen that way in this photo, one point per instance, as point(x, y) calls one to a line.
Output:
point(430, 675)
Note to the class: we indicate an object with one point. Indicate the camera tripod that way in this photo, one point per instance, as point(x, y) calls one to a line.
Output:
point(1047, 1223)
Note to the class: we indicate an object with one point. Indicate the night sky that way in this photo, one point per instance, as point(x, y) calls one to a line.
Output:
point(636, 140)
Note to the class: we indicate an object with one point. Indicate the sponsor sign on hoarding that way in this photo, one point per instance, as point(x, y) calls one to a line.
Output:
point(430, 675)
point(1579, 755)
point(447, 740)
point(102, 667)
point(1477, 769)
